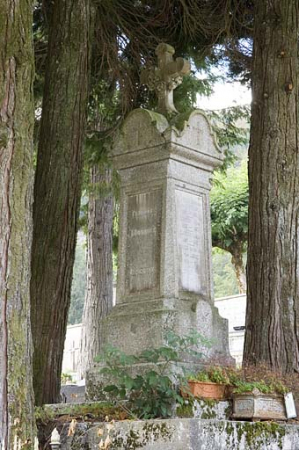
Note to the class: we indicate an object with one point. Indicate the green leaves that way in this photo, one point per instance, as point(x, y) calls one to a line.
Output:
point(231, 127)
point(229, 209)
point(187, 343)
point(152, 393)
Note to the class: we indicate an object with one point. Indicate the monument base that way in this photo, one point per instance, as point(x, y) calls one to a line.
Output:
point(137, 326)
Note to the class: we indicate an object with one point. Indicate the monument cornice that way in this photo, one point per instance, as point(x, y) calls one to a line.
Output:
point(166, 140)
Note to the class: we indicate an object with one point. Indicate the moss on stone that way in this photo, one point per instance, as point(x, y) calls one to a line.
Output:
point(230, 432)
point(228, 411)
point(258, 433)
point(186, 409)
point(150, 432)
point(157, 430)
point(209, 414)
point(96, 410)
point(179, 121)
point(208, 409)
point(209, 402)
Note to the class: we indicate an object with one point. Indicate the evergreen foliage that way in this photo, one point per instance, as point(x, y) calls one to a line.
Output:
point(229, 208)
point(229, 214)
point(231, 127)
point(224, 276)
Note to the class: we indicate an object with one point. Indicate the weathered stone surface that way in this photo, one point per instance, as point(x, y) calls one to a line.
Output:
point(184, 434)
point(190, 241)
point(142, 272)
point(205, 409)
point(166, 77)
point(164, 215)
point(164, 268)
point(212, 410)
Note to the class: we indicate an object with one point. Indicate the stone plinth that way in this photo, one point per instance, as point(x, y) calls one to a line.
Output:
point(164, 267)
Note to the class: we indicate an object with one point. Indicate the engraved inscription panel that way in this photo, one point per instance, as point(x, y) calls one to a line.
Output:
point(244, 406)
point(275, 405)
point(143, 241)
point(190, 241)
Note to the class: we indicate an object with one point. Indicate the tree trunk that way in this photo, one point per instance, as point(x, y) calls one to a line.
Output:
point(17, 427)
point(237, 262)
point(57, 190)
point(99, 293)
point(272, 322)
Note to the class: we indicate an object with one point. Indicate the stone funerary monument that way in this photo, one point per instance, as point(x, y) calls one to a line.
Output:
point(165, 161)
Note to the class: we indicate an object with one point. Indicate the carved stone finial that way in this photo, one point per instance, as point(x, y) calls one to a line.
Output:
point(55, 440)
point(166, 77)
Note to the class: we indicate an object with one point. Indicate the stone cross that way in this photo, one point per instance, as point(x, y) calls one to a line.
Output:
point(166, 77)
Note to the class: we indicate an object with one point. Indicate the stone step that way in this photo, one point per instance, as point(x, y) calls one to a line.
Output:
point(198, 409)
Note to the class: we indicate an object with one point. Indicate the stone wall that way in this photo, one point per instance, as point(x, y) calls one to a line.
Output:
point(183, 434)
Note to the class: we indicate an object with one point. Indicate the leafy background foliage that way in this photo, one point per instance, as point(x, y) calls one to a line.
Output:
point(229, 207)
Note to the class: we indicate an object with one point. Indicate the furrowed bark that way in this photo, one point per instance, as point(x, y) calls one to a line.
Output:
point(272, 322)
point(99, 293)
point(17, 428)
point(57, 189)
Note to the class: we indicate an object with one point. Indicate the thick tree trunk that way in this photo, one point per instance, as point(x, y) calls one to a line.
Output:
point(16, 175)
point(237, 262)
point(57, 190)
point(272, 322)
point(99, 293)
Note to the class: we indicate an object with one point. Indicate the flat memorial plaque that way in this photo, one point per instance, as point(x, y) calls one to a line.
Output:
point(244, 406)
point(264, 405)
point(143, 241)
point(190, 242)
point(290, 406)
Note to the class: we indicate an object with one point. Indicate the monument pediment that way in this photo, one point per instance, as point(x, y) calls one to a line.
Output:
point(190, 136)
point(193, 130)
point(153, 137)
point(165, 134)
point(141, 129)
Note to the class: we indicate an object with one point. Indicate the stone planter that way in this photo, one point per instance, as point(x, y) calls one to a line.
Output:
point(257, 406)
point(205, 389)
